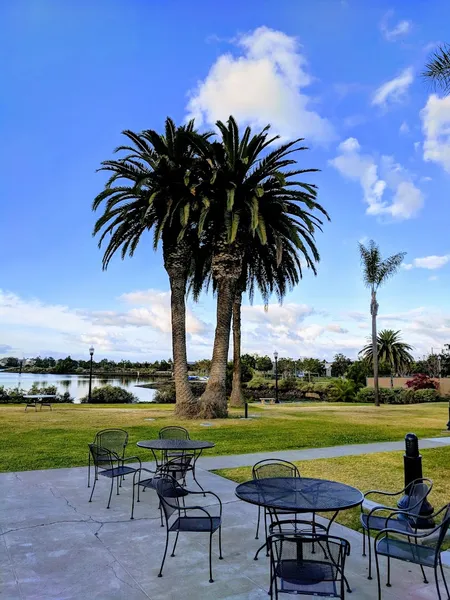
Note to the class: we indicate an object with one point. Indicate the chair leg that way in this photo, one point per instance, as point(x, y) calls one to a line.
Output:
point(175, 544)
point(164, 556)
point(265, 530)
point(110, 492)
point(211, 580)
point(425, 580)
point(92, 491)
point(378, 573)
point(132, 498)
point(160, 514)
point(220, 543)
point(89, 470)
point(369, 545)
point(443, 577)
point(117, 484)
point(364, 542)
point(437, 583)
point(257, 524)
point(388, 582)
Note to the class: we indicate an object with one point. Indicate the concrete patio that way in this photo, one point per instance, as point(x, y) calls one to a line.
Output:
point(55, 545)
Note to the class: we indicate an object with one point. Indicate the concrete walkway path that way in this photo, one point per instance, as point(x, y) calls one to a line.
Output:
point(210, 463)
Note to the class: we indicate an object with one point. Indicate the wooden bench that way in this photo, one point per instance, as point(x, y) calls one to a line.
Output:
point(270, 400)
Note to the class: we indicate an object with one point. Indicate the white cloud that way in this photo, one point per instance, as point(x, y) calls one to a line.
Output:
point(404, 128)
point(143, 329)
point(156, 311)
point(393, 33)
point(405, 200)
point(394, 90)
point(264, 84)
point(436, 128)
point(428, 262)
point(433, 278)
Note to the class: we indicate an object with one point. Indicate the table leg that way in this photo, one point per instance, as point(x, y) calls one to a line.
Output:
point(331, 555)
point(196, 457)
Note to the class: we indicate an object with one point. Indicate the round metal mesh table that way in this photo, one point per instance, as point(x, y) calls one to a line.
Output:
point(299, 494)
point(174, 444)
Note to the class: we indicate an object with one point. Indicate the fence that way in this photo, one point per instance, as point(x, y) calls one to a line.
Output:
point(400, 382)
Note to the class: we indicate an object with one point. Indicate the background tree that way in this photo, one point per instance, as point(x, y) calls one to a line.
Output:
point(313, 366)
point(340, 365)
point(391, 351)
point(375, 272)
point(264, 363)
point(437, 70)
point(286, 366)
point(358, 372)
point(156, 186)
point(249, 360)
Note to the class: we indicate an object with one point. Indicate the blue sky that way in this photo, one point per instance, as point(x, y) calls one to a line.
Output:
point(343, 74)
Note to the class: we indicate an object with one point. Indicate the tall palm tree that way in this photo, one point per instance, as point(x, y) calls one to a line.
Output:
point(274, 267)
point(437, 70)
point(240, 183)
point(155, 186)
point(375, 272)
point(390, 350)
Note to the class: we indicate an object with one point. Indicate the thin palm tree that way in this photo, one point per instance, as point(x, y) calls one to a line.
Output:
point(155, 187)
point(390, 350)
point(274, 267)
point(375, 272)
point(239, 184)
point(437, 70)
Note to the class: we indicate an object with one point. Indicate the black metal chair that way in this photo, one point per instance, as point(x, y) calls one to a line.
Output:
point(422, 549)
point(172, 497)
point(299, 565)
point(105, 459)
point(176, 468)
point(270, 468)
point(174, 432)
point(115, 440)
point(416, 494)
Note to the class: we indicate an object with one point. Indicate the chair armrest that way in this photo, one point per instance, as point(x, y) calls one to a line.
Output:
point(207, 492)
point(382, 493)
point(134, 458)
point(380, 507)
point(406, 534)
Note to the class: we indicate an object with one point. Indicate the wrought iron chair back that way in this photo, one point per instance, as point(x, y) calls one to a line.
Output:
point(300, 561)
point(270, 468)
point(174, 432)
point(115, 440)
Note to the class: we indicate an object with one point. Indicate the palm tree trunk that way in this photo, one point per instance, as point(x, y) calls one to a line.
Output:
point(237, 397)
point(374, 312)
point(214, 398)
point(187, 406)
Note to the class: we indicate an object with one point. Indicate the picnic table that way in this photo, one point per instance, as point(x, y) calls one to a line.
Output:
point(42, 399)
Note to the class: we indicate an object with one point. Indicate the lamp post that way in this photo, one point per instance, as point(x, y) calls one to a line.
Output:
point(91, 352)
point(275, 355)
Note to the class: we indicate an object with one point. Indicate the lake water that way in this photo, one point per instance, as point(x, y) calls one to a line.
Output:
point(76, 385)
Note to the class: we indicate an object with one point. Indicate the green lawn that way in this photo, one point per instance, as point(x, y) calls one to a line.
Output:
point(382, 471)
point(44, 439)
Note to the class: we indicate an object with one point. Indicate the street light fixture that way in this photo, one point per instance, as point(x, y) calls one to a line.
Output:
point(275, 355)
point(91, 352)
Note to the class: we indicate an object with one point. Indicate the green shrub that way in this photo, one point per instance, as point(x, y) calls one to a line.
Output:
point(343, 390)
point(287, 384)
point(259, 383)
point(427, 395)
point(166, 394)
point(110, 394)
point(398, 396)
